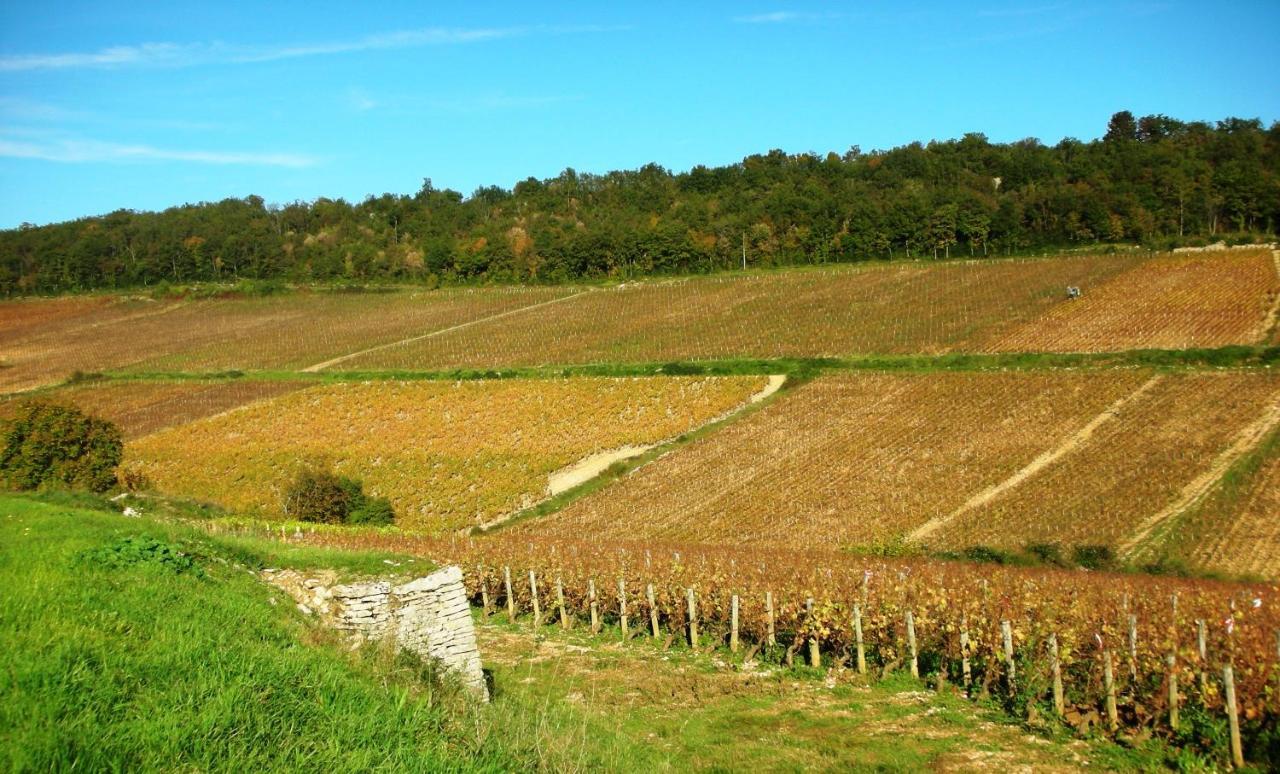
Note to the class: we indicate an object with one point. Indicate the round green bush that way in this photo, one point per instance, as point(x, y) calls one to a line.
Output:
point(51, 445)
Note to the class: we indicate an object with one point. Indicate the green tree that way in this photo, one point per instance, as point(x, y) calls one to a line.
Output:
point(51, 445)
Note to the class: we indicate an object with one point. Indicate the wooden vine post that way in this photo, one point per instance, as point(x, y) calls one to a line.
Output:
point(1006, 635)
point(768, 614)
point(1171, 661)
point(1108, 680)
point(533, 595)
point(733, 624)
point(622, 606)
point(564, 613)
point(595, 606)
point(857, 635)
point(1233, 717)
point(511, 598)
point(653, 610)
point(815, 653)
point(966, 670)
point(484, 592)
point(911, 644)
point(1202, 657)
point(1133, 648)
point(1055, 668)
point(693, 617)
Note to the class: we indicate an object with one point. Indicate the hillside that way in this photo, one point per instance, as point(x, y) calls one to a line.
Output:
point(1153, 180)
point(1129, 301)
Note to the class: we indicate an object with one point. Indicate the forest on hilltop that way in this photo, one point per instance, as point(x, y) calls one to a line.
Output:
point(1154, 180)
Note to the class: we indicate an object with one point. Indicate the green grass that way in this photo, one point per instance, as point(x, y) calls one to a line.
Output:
point(137, 664)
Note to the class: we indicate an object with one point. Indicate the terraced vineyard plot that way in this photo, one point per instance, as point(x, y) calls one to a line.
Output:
point(449, 455)
point(291, 331)
point(1168, 302)
point(898, 308)
point(140, 408)
point(1133, 468)
point(850, 460)
point(1236, 529)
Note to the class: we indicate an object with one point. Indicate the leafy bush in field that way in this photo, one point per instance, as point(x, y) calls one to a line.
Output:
point(137, 550)
point(51, 445)
point(320, 495)
point(1094, 557)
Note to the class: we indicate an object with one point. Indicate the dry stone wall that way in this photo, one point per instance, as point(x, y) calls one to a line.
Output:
point(430, 616)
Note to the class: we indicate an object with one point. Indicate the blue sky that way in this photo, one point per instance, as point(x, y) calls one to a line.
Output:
point(106, 105)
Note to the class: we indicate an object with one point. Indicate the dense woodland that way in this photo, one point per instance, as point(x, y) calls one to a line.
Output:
point(1152, 180)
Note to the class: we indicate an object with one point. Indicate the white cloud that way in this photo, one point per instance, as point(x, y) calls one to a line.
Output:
point(82, 151)
point(783, 17)
point(185, 55)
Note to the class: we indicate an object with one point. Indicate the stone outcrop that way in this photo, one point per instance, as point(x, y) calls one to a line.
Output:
point(429, 616)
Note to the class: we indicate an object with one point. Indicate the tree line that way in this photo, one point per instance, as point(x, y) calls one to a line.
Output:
point(1153, 180)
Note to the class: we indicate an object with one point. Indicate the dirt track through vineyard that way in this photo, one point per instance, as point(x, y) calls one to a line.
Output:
point(1201, 485)
point(441, 332)
point(1039, 463)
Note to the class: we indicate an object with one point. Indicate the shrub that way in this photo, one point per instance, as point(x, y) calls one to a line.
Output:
point(48, 444)
point(1048, 553)
point(318, 494)
point(373, 511)
point(1094, 557)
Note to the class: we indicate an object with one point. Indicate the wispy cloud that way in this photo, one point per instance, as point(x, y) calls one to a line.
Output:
point(84, 151)
point(22, 109)
point(190, 54)
point(784, 17)
point(1034, 10)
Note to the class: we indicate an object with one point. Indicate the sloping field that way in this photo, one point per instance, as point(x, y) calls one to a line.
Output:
point(291, 331)
point(1146, 463)
point(449, 455)
point(140, 408)
point(897, 308)
point(950, 460)
point(1168, 302)
point(847, 460)
point(1236, 529)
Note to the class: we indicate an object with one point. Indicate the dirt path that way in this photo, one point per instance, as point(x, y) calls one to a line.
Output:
point(1202, 484)
point(344, 358)
point(699, 713)
point(1071, 444)
point(593, 465)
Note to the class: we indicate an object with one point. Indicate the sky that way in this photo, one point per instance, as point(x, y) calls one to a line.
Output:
point(108, 105)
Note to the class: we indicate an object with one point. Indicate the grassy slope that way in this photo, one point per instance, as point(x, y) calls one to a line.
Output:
point(141, 668)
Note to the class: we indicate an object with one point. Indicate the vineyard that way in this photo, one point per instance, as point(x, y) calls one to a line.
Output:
point(291, 331)
point(916, 307)
point(950, 460)
point(1102, 651)
point(448, 455)
point(142, 408)
point(1205, 300)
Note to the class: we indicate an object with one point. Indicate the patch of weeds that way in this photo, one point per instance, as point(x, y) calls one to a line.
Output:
point(142, 551)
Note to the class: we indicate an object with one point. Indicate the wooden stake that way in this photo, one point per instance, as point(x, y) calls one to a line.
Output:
point(595, 606)
point(1109, 682)
point(622, 606)
point(484, 593)
point(511, 598)
point(533, 594)
point(965, 670)
point(911, 644)
point(1055, 667)
point(768, 611)
point(1233, 718)
point(1171, 662)
point(857, 634)
point(733, 624)
point(693, 617)
point(1006, 634)
point(653, 610)
point(1133, 648)
point(1203, 659)
point(564, 614)
point(815, 654)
